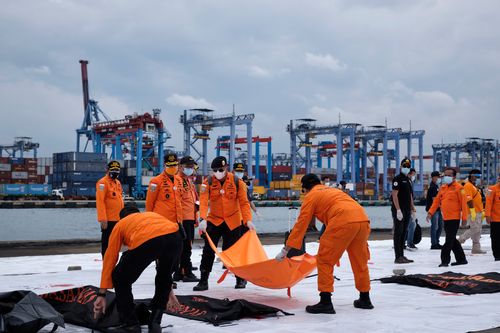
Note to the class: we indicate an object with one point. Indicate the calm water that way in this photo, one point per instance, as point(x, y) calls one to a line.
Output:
point(81, 223)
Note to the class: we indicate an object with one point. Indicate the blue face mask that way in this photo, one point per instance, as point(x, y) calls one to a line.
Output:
point(478, 182)
point(188, 171)
point(405, 171)
point(447, 180)
point(438, 181)
point(239, 174)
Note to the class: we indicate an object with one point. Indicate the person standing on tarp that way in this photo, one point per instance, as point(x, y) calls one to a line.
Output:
point(453, 203)
point(347, 228)
point(109, 202)
point(475, 204)
point(402, 209)
point(224, 212)
point(149, 237)
point(492, 213)
point(437, 218)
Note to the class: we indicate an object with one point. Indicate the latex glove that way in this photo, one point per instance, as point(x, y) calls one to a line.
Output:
point(473, 214)
point(428, 218)
point(99, 306)
point(202, 228)
point(282, 255)
point(399, 215)
point(250, 225)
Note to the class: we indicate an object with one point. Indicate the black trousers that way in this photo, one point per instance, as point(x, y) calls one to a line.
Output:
point(400, 230)
point(451, 243)
point(495, 238)
point(105, 236)
point(229, 237)
point(166, 250)
point(187, 246)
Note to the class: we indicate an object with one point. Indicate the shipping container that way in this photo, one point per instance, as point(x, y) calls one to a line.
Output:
point(282, 168)
point(5, 160)
point(17, 161)
point(145, 180)
point(281, 176)
point(39, 189)
point(5, 167)
point(19, 175)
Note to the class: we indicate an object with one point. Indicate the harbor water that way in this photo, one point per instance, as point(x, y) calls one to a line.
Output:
point(37, 224)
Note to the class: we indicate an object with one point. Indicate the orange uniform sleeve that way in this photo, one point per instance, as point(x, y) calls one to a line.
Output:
point(178, 198)
point(463, 205)
point(100, 197)
point(246, 212)
point(151, 195)
point(204, 195)
point(300, 227)
point(111, 257)
point(436, 203)
point(490, 195)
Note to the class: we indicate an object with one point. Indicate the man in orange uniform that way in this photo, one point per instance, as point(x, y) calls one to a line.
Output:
point(109, 202)
point(453, 203)
point(189, 212)
point(149, 237)
point(228, 215)
point(164, 196)
point(492, 213)
point(475, 204)
point(347, 228)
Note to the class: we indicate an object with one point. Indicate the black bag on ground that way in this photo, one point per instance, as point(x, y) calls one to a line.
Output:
point(417, 235)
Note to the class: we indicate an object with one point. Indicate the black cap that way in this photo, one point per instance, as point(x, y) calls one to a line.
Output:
point(406, 163)
point(309, 180)
point(187, 160)
point(435, 174)
point(238, 166)
point(219, 162)
point(413, 170)
point(114, 166)
point(474, 172)
point(171, 159)
point(129, 208)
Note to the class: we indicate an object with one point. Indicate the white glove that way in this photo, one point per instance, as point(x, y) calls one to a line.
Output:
point(250, 225)
point(282, 255)
point(202, 227)
point(413, 214)
point(399, 215)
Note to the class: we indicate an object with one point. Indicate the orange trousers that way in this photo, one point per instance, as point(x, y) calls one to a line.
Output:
point(352, 237)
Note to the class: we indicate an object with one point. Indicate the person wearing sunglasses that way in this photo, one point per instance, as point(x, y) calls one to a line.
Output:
point(224, 213)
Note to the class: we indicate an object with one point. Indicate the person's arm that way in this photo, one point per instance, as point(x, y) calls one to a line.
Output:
point(395, 199)
point(204, 196)
point(111, 257)
point(151, 195)
point(100, 197)
point(246, 213)
point(299, 229)
point(464, 207)
point(435, 204)
point(490, 196)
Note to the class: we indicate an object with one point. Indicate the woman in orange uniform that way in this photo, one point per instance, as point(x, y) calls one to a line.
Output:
point(149, 237)
point(347, 228)
point(492, 213)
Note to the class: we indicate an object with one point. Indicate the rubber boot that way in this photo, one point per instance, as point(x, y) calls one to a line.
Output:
point(203, 284)
point(364, 301)
point(324, 306)
point(125, 328)
point(154, 325)
point(240, 283)
point(178, 276)
point(189, 276)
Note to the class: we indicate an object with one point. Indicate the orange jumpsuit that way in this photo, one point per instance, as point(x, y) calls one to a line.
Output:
point(347, 228)
point(164, 197)
point(226, 204)
point(452, 201)
point(109, 199)
point(493, 203)
point(132, 231)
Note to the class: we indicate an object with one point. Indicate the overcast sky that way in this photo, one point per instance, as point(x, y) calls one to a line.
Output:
point(436, 63)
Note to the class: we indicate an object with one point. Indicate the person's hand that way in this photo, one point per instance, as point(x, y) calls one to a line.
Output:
point(250, 225)
point(173, 304)
point(464, 223)
point(399, 215)
point(202, 227)
point(488, 219)
point(99, 306)
point(104, 225)
point(282, 255)
point(428, 218)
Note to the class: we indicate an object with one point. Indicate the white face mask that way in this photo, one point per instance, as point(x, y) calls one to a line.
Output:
point(405, 171)
point(438, 181)
point(220, 175)
point(478, 182)
point(239, 175)
point(447, 180)
point(413, 178)
point(188, 171)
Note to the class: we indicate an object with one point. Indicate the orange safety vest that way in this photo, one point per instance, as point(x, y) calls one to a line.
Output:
point(109, 200)
point(164, 197)
point(189, 198)
point(493, 203)
point(452, 201)
point(329, 206)
point(228, 203)
point(132, 231)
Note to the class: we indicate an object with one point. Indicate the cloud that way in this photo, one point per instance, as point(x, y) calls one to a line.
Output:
point(326, 115)
point(256, 71)
point(324, 61)
point(45, 70)
point(187, 101)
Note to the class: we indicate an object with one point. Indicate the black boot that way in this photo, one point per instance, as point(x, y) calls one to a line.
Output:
point(189, 276)
point(324, 306)
point(154, 325)
point(125, 328)
point(240, 283)
point(178, 276)
point(364, 301)
point(203, 284)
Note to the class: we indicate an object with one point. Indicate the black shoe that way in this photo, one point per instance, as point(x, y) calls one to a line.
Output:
point(443, 265)
point(190, 277)
point(125, 328)
point(324, 306)
point(174, 285)
point(497, 259)
point(178, 276)
point(457, 263)
point(401, 260)
point(240, 283)
point(201, 286)
point(364, 301)
point(408, 260)
point(436, 247)
point(154, 325)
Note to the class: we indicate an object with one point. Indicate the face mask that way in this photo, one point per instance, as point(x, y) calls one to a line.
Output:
point(438, 181)
point(171, 170)
point(219, 175)
point(413, 178)
point(239, 175)
point(478, 182)
point(114, 175)
point(405, 171)
point(188, 171)
point(447, 180)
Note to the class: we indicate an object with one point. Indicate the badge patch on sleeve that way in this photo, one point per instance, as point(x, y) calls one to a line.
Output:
point(203, 188)
point(153, 187)
point(102, 187)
